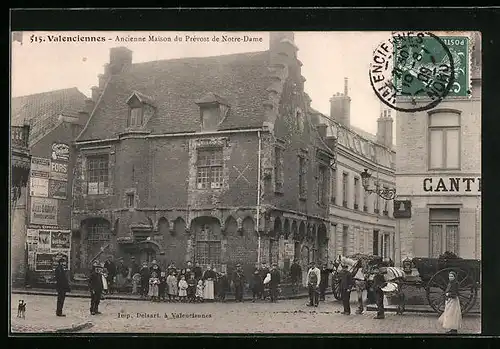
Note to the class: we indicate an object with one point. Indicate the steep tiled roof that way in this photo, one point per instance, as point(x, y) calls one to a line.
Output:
point(41, 110)
point(176, 85)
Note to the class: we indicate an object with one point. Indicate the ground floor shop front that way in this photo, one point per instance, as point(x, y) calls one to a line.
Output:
point(218, 238)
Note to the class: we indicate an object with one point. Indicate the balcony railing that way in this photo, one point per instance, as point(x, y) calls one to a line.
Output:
point(20, 136)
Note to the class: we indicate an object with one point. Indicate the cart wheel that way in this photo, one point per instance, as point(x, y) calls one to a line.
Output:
point(336, 286)
point(436, 287)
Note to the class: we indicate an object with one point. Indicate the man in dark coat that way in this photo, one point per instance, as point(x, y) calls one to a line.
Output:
point(112, 271)
point(295, 275)
point(378, 283)
point(145, 275)
point(274, 283)
point(95, 286)
point(62, 286)
point(223, 287)
point(239, 282)
point(346, 283)
point(325, 277)
point(198, 272)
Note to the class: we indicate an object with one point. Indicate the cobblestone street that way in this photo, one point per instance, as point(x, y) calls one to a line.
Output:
point(286, 316)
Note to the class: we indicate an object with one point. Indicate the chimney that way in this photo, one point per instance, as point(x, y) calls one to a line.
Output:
point(282, 49)
point(119, 59)
point(388, 121)
point(381, 129)
point(275, 39)
point(89, 105)
point(96, 92)
point(340, 106)
point(322, 130)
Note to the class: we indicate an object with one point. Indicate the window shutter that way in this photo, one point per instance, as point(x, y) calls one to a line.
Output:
point(420, 232)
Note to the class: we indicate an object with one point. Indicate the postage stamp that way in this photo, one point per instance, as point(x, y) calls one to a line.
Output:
point(238, 182)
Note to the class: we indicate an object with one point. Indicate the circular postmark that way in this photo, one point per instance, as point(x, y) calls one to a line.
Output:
point(416, 65)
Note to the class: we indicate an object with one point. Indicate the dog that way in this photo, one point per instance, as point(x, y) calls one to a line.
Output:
point(21, 309)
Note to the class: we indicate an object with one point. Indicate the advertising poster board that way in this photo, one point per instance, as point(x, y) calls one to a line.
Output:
point(60, 152)
point(43, 241)
point(60, 240)
point(58, 189)
point(48, 261)
point(43, 211)
point(59, 171)
point(40, 165)
point(39, 187)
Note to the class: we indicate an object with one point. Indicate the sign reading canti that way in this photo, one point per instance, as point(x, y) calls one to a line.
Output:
point(43, 211)
point(60, 152)
point(59, 171)
point(58, 189)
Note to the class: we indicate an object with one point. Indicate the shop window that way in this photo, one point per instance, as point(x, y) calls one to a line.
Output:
point(444, 141)
point(209, 168)
point(444, 232)
point(98, 174)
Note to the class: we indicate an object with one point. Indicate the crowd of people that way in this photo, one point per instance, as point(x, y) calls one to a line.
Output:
point(191, 283)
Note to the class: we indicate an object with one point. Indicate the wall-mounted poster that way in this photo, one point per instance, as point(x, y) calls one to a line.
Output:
point(44, 241)
point(49, 261)
point(60, 240)
point(43, 211)
point(40, 164)
point(60, 152)
point(58, 189)
point(39, 187)
point(59, 171)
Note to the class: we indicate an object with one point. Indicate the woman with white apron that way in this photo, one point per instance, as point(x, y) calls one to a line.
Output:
point(208, 278)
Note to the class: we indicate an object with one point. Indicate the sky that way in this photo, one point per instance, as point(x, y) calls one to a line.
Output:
point(327, 57)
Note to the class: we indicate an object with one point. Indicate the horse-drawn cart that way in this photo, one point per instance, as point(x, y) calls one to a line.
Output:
point(431, 274)
point(433, 277)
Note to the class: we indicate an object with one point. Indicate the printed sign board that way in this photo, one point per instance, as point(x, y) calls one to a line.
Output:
point(59, 171)
point(402, 209)
point(60, 152)
point(49, 261)
point(58, 189)
point(289, 249)
point(39, 187)
point(43, 241)
point(43, 211)
point(60, 240)
point(40, 164)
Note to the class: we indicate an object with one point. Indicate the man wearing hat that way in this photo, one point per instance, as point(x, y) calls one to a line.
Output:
point(239, 281)
point(62, 286)
point(346, 283)
point(378, 284)
point(110, 266)
point(145, 274)
point(274, 283)
point(95, 286)
point(313, 281)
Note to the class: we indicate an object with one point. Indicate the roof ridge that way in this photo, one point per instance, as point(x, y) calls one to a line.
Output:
point(197, 57)
point(48, 92)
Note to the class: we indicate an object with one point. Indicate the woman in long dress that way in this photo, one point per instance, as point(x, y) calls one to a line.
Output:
point(451, 319)
point(208, 278)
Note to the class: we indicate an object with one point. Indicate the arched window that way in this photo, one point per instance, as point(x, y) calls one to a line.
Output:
point(208, 241)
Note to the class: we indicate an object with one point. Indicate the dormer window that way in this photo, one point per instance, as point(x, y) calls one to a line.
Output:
point(213, 111)
point(140, 109)
point(135, 118)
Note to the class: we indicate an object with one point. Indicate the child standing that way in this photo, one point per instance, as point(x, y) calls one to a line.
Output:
point(153, 287)
point(172, 286)
point(162, 286)
point(183, 285)
point(191, 291)
point(199, 291)
point(451, 319)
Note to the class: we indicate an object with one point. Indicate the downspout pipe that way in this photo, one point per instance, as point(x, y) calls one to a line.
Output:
point(257, 220)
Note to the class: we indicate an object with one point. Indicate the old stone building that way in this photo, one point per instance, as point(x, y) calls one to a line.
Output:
point(214, 160)
point(439, 164)
point(360, 222)
point(54, 118)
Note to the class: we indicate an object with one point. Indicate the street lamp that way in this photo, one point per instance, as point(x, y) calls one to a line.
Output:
point(384, 193)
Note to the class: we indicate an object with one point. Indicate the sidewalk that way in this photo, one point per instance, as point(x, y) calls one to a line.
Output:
point(303, 293)
point(40, 318)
